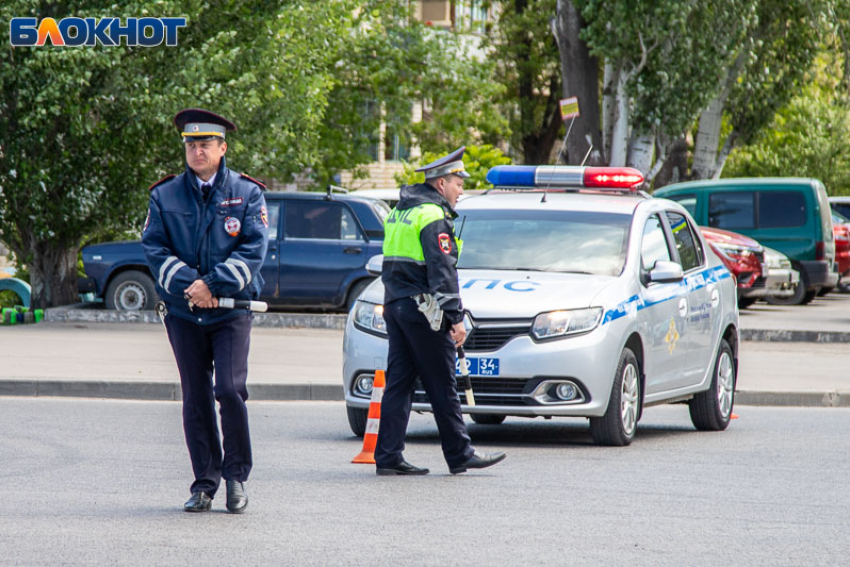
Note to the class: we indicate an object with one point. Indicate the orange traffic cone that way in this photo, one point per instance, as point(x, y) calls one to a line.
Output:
point(370, 438)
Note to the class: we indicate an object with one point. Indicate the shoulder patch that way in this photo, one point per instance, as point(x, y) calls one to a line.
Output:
point(249, 178)
point(161, 181)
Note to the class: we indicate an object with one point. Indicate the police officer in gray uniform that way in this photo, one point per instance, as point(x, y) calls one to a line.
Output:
point(205, 238)
point(424, 317)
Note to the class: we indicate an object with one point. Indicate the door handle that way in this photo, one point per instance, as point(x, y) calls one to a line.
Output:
point(683, 307)
point(352, 250)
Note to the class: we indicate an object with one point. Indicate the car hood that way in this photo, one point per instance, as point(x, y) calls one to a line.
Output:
point(721, 236)
point(500, 294)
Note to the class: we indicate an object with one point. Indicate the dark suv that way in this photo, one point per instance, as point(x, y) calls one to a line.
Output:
point(318, 248)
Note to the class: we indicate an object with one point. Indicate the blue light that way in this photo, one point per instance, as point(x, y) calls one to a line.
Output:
point(512, 175)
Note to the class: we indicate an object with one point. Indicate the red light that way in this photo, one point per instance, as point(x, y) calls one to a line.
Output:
point(613, 177)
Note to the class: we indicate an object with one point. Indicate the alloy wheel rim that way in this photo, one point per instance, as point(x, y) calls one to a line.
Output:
point(725, 384)
point(629, 399)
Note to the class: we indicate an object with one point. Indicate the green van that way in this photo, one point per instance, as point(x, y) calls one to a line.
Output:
point(789, 214)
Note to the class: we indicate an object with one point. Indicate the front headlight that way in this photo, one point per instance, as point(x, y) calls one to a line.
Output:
point(557, 324)
point(734, 250)
point(369, 318)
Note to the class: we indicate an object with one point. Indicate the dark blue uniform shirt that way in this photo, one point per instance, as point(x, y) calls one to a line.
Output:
point(222, 241)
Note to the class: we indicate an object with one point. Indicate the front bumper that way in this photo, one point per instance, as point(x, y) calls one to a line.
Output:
point(782, 282)
point(589, 361)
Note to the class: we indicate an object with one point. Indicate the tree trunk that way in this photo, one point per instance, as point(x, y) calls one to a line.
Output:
point(579, 78)
point(641, 147)
point(53, 276)
point(609, 106)
point(675, 167)
point(708, 140)
point(728, 146)
point(620, 132)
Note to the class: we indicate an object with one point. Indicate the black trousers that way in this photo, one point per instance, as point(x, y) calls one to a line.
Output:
point(199, 349)
point(416, 350)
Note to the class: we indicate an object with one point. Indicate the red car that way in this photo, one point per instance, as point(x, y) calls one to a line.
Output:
point(744, 257)
point(841, 231)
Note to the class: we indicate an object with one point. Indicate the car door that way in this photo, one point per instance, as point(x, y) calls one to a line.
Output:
point(696, 305)
point(271, 265)
point(322, 245)
point(664, 322)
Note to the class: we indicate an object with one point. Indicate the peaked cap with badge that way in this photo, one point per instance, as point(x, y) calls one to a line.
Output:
point(451, 164)
point(196, 125)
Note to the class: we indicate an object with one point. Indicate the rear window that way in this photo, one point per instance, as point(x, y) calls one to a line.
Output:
point(781, 209)
point(732, 210)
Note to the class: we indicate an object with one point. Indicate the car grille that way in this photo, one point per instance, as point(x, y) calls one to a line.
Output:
point(487, 391)
point(493, 338)
point(759, 283)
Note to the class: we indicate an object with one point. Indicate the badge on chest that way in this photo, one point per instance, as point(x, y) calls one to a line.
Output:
point(232, 226)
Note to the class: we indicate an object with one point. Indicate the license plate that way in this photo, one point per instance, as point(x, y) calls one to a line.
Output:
point(480, 366)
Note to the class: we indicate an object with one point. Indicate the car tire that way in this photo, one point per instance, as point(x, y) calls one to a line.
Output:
point(131, 291)
point(354, 292)
point(487, 418)
point(745, 302)
point(711, 410)
point(357, 418)
point(796, 299)
point(618, 426)
point(810, 296)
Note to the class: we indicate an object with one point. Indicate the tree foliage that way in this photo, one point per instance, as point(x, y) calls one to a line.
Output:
point(477, 160)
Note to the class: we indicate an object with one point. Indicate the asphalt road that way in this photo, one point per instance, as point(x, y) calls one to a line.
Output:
point(102, 483)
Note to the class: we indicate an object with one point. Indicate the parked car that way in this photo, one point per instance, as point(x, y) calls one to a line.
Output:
point(840, 205)
point(585, 305)
point(841, 231)
point(789, 214)
point(318, 248)
point(389, 196)
point(744, 257)
point(783, 280)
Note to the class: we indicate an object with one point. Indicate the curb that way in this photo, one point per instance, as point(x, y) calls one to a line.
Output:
point(778, 336)
point(160, 391)
point(168, 391)
point(78, 313)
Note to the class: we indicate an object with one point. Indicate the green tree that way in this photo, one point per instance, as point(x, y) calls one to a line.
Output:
point(389, 61)
point(808, 137)
point(85, 130)
point(477, 160)
point(526, 52)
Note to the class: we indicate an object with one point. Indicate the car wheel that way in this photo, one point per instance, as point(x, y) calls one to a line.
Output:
point(745, 302)
point(357, 419)
point(711, 410)
point(617, 427)
point(809, 296)
point(796, 299)
point(355, 291)
point(131, 291)
point(487, 418)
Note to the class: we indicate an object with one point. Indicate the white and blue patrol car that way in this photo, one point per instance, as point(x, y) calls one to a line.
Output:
point(582, 297)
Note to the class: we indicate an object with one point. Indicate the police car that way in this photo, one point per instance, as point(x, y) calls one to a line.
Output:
point(583, 297)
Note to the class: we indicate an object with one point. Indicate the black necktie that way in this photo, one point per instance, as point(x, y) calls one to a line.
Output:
point(206, 189)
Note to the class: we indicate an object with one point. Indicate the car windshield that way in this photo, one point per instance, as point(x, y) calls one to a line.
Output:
point(555, 241)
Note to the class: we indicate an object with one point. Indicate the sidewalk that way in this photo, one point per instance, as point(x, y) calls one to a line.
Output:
point(134, 361)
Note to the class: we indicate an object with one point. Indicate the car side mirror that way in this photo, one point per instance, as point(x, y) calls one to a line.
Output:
point(375, 265)
point(666, 272)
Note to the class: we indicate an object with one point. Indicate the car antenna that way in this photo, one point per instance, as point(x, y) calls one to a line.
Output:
point(560, 153)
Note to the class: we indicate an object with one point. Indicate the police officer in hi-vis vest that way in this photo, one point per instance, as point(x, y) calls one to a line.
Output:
point(205, 238)
point(424, 318)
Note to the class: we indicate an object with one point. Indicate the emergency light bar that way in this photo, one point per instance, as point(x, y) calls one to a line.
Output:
point(560, 176)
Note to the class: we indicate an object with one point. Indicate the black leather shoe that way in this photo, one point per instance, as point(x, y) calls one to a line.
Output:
point(479, 461)
point(199, 502)
point(237, 498)
point(402, 468)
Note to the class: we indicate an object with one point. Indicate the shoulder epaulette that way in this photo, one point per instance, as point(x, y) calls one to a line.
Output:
point(161, 181)
point(249, 178)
